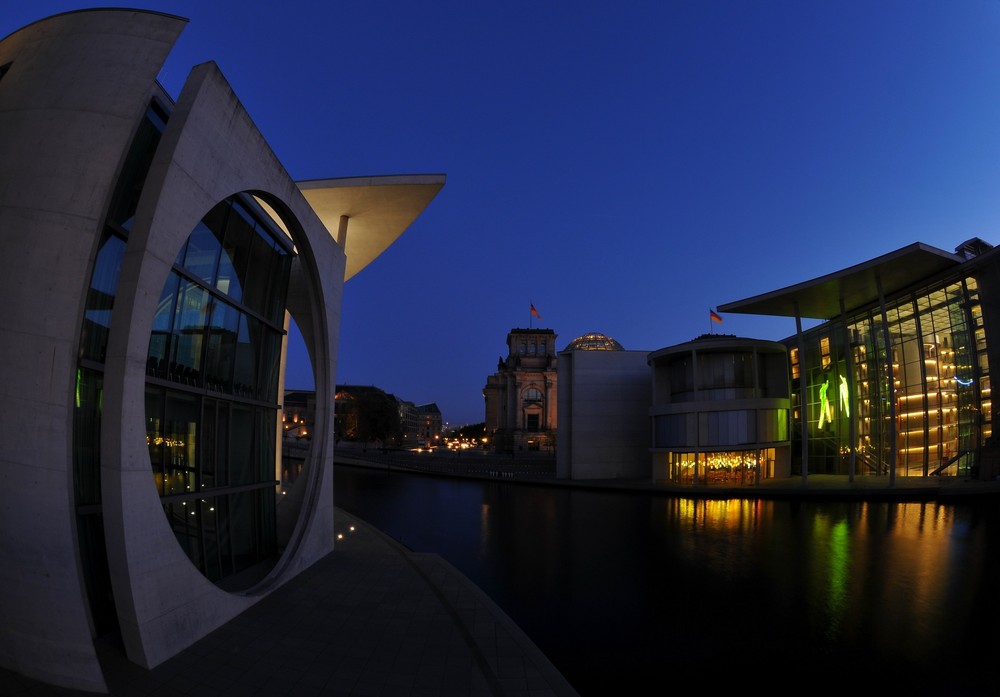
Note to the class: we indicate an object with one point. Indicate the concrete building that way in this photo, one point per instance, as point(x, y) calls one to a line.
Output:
point(604, 398)
point(720, 411)
point(520, 398)
point(896, 379)
point(153, 255)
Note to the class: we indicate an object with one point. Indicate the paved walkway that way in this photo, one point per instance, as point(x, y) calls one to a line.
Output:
point(371, 619)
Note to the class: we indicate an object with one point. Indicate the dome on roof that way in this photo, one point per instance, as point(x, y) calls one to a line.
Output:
point(594, 342)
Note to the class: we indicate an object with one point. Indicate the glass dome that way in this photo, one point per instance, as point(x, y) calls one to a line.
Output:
point(594, 342)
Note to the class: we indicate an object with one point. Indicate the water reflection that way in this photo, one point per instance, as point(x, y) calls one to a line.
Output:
point(623, 589)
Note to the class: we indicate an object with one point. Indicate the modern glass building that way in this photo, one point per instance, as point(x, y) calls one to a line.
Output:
point(895, 380)
point(720, 411)
point(153, 254)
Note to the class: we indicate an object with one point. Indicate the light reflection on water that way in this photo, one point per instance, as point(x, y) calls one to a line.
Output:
point(619, 589)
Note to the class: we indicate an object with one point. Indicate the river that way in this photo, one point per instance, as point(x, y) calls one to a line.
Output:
point(638, 593)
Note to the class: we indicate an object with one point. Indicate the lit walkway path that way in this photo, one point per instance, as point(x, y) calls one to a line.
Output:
point(370, 619)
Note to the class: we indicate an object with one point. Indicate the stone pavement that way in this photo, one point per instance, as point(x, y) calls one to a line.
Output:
point(371, 619)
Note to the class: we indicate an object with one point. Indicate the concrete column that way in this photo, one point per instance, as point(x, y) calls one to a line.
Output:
point(342, 231)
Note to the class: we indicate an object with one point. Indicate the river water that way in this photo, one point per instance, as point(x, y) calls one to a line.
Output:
point(639, 593)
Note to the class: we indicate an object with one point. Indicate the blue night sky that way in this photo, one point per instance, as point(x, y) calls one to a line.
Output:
point(625, 166)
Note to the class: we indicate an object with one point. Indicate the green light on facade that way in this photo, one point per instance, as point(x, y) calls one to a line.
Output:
point(825, 408)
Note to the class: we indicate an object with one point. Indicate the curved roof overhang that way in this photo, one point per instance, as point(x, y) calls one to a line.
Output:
point(365, 215)
point(857, 286)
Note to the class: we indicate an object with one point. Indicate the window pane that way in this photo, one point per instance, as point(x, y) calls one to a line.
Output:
point(236, 254)
point(220, 351)
point(159, 341)
point(241, 442)
point(202, 253)
point(188, 333)
point(100, 298)
point(180, 440)
point(245, 370)
point(87, 432)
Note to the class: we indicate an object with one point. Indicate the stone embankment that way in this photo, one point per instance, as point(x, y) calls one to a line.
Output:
point(463, 463)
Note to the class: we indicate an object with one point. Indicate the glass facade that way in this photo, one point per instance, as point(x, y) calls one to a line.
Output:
point(909, 386)
point(212, 388)
point(723, 412)
point(725, 468)
point(88, 392)
point(212, 381)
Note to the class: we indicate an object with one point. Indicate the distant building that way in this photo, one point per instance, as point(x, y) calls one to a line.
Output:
point(430, 423)
point(421, 425)
point(298, 414)
point(409, 421)
point(521, 397)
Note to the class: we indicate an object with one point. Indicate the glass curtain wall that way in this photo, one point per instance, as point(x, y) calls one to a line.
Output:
point(920, 387)
point(720, 446)
point(211, 388)
point(89, 390)
point(725, 468)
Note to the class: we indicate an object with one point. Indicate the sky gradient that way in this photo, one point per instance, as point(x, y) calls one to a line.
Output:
point(623, 166)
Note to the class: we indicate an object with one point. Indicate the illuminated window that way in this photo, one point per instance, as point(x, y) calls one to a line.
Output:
point(532, 394)
point(824, 351)
point(793, 356)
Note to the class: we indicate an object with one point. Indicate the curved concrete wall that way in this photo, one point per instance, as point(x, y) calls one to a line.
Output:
point(210, 150)
point(76, 87)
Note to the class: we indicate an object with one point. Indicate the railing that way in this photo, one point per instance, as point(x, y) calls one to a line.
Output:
point(458, 463)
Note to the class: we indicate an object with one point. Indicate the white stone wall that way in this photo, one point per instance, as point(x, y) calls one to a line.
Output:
point(604, 400)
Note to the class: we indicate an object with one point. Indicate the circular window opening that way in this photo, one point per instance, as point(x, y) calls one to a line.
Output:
point(212, 380)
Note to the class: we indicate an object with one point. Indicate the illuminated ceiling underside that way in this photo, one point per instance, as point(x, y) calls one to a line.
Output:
point(379, 209)
point(857, 285)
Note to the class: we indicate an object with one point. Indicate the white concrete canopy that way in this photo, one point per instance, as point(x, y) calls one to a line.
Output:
point(377, 210)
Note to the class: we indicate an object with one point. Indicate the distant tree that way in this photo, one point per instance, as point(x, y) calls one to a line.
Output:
point(471, 431)
point(345, 418)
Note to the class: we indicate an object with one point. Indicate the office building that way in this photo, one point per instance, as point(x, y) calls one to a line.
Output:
point(720, 411)
point(895, 380)
point(154, 253)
